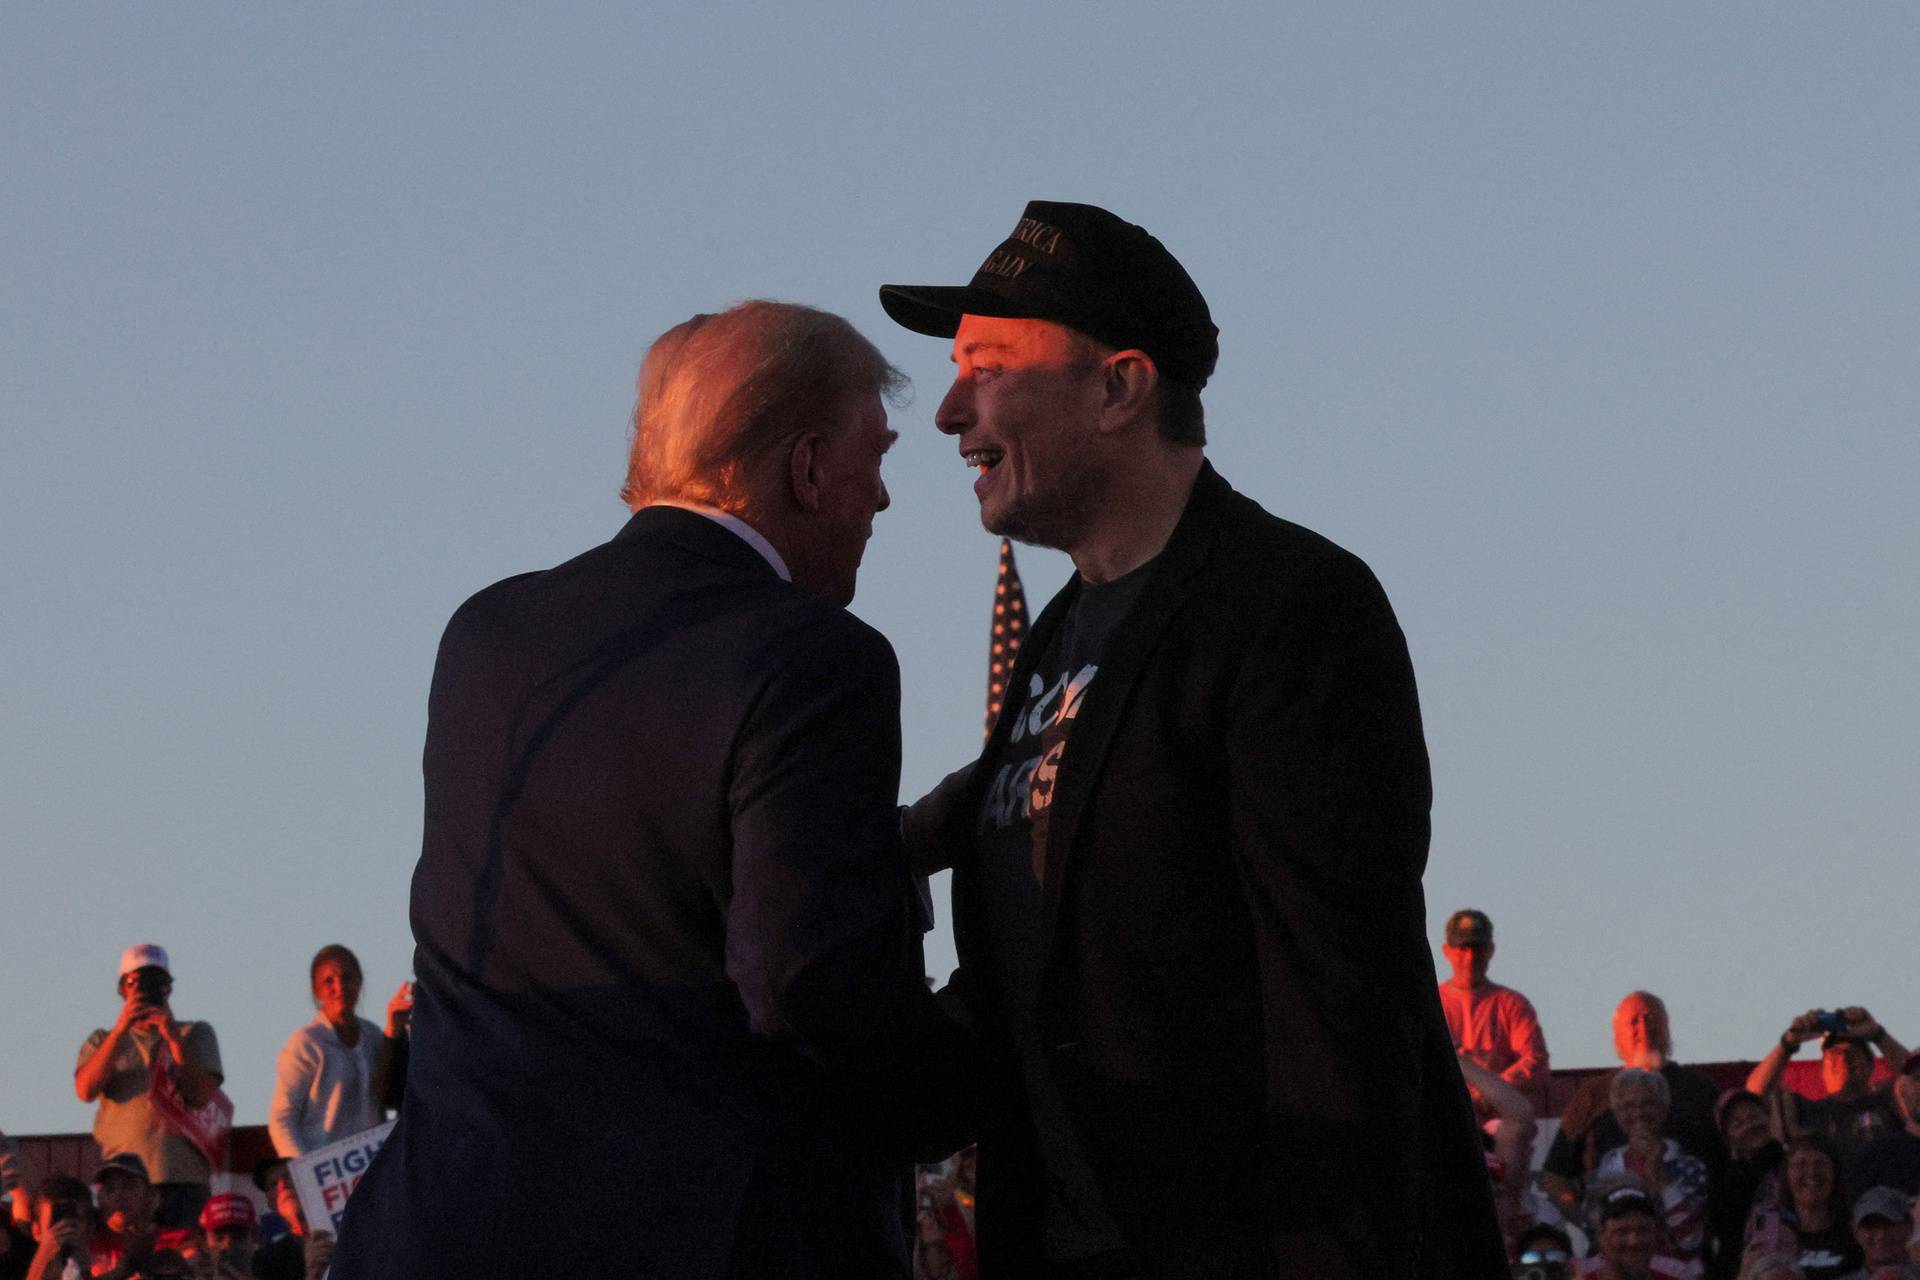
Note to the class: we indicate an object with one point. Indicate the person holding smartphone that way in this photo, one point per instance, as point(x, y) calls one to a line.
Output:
point(1853, 1113)
point(63, 1225)
point(115, 1068)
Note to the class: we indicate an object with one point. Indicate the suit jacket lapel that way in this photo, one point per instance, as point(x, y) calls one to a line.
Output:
point(1106, 699)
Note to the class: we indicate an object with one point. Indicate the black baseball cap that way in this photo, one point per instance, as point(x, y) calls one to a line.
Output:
point(126, 1162)
point(1083, 267)
point(1469, 928)
point(1623, 1200)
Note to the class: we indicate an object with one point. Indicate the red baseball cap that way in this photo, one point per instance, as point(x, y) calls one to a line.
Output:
point(228, 1211)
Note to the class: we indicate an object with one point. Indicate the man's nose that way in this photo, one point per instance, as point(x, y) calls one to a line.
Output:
point(956, 409)
point(886, 499)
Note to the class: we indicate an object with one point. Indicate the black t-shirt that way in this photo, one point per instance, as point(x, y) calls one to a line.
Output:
point(1736, 1189)
point(1019, 796)
point(1851, 1126)
point(1892, 1161)
point(284, 1259)
point(20, 1248)
point(1830, 1252)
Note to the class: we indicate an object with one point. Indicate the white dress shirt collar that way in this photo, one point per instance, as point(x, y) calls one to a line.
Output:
point(746, 532)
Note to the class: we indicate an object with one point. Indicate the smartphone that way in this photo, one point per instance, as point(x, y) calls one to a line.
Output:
point(150, 985)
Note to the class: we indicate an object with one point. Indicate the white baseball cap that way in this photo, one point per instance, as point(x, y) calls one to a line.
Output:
point(144, 956)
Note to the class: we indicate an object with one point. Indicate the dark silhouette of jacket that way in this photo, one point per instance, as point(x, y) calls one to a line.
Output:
point(671, 1010)
point(1237, 1003)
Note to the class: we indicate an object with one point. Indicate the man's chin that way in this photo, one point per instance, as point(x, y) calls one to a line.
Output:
point(1016, 525)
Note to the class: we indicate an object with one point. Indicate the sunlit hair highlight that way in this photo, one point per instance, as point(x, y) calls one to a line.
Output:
point(719, 391)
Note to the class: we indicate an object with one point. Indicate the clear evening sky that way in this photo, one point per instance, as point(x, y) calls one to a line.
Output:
point(1591, 327)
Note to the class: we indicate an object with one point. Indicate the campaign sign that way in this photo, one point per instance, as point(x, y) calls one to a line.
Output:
point(324, 1177)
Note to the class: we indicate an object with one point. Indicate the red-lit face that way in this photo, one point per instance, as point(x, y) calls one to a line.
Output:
point(852, 493)
point(336, 989)
point(1469, 964)
point(1809, 1178)
point(1746, 1130)
point(1628, 1242)
point(1025, 404)
point(1846, 1068)
point(286, 1202)
point(1640, 1032)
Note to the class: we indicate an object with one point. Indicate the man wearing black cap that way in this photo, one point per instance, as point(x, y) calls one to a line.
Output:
point(1187, 865)
point(1491, 1024)
point(1627, 1239)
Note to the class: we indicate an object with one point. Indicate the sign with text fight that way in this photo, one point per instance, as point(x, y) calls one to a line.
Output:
point(326, 1176)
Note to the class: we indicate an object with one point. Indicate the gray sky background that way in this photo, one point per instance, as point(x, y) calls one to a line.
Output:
point(1591, 327)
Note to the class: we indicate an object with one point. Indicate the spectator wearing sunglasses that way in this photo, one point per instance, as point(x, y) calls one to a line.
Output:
point(1546, 1249)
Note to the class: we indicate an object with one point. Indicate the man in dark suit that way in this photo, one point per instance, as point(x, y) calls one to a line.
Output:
point(1187, 864)
point(670, 984)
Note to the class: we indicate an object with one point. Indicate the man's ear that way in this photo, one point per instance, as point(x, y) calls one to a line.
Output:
point(1129, 388)
point(804, 470)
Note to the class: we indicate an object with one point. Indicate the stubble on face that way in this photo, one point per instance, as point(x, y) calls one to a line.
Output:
point(1025, 399)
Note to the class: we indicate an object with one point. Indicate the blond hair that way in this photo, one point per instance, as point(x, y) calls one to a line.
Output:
point(718, 391)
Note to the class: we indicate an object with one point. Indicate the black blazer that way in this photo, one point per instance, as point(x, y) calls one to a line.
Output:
point(1237, 1002)
point(671, 997)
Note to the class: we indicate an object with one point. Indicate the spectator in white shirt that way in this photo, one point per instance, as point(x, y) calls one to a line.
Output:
point(324, 1089)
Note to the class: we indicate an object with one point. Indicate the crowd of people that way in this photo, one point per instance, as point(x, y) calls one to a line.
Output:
point(150, 1209)
point(1652, 1172)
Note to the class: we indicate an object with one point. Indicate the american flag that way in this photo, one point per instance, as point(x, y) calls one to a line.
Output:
point(1009, 629)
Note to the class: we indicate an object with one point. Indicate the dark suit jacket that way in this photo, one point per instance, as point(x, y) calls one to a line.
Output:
point(670, 989)
point(1238, 1002)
